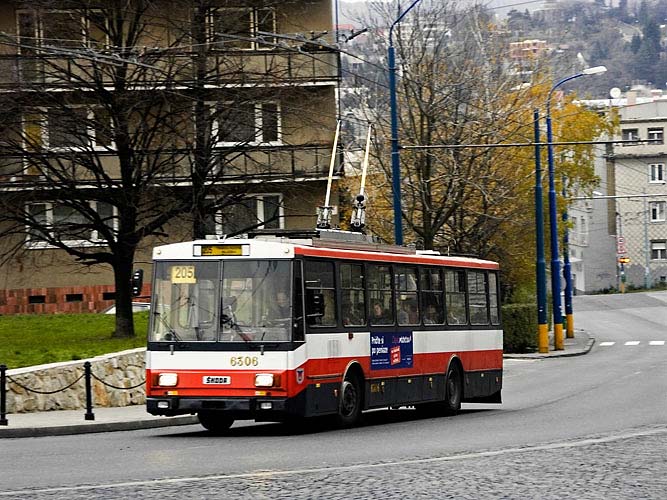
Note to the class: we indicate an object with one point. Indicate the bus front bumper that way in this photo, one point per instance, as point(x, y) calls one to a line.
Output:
point(240, 408)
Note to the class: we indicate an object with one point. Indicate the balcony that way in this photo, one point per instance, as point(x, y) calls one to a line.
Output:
point(230, 68)
point(248, 164)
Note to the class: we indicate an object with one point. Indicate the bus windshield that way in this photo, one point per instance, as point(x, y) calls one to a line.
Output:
point(229, 301)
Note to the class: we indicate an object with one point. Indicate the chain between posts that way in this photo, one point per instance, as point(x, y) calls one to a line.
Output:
point(87, 375)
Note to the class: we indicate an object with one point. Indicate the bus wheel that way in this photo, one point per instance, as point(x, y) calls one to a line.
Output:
point(349, 407)
point(215, 421)
point(453, 390)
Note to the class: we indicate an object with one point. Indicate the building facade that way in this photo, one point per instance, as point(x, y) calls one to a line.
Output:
point(619, 232)
point(139, 123)
point(641, 191)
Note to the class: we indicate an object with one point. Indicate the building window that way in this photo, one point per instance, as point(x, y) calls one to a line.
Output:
point(656, 172)
point(629, 134)
point(243, 29)
point(658, 250)
point(656, 135)
point(255, 212)
point(61, 29)
point(54, 221)
point(249, 123)
point(583, 231)
point(68, 129)
point(657, 211)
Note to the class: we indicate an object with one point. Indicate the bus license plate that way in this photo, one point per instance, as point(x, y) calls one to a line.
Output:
point(210, 380)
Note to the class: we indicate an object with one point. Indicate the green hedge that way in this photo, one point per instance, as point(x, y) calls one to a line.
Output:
point(520, 327)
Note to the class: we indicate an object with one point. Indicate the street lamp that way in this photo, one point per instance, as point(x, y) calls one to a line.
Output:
point(555, 258)
point(540, 263)
point(395, 154)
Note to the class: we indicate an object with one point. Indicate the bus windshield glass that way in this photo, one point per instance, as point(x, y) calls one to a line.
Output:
point(229, 301)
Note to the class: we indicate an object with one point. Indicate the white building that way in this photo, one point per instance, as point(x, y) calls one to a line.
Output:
point(632, 221)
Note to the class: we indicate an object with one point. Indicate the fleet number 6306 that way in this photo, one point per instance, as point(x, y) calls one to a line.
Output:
point(244, 361)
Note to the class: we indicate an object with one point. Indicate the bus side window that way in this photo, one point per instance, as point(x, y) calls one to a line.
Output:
point(493, 299)
point(352, 294)
point(320, 293)
point(380, 296)
point(455, 292)
point(477, 300)
point(433, 306)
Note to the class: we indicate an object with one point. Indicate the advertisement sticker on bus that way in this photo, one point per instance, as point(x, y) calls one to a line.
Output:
point(391, 350)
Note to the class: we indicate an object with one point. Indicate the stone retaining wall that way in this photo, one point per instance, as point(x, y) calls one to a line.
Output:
point(123, 369)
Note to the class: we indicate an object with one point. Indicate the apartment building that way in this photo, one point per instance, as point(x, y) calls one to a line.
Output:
point(625, 218)
point(131, 123)
point(640, 182)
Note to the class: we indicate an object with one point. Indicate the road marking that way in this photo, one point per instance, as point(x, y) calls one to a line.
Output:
point(316, 470)
point(605, 344)
point(632, 342)
point(656, 342)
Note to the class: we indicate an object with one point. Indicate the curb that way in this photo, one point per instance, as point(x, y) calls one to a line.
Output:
point(555, 354)
point(64, 430)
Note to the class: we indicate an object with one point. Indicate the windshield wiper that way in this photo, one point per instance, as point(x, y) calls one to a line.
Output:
point(170, 331)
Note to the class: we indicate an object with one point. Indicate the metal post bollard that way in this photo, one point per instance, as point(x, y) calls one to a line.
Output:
point(89, 393)
point(3, 395)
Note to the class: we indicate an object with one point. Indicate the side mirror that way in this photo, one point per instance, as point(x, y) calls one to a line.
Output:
point(137, 282)
point(314, 306)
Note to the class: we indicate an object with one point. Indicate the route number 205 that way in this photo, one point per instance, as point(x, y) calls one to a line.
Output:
point(244, 361)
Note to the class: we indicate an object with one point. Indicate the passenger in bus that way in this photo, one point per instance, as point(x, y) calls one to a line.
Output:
point(279, 309)
point(380, 316)
point(409, 314)
point(431, 316)
point(353, 316)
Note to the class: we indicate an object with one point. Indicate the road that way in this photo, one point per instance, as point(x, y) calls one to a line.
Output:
point(592, 426)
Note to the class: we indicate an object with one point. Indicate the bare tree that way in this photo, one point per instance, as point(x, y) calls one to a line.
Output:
point(456, 88)
point(119, 122)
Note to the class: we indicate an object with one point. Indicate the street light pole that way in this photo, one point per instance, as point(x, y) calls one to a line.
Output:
point(540, 263)
point(553, 221)
point(567, 273)
point(395, 149)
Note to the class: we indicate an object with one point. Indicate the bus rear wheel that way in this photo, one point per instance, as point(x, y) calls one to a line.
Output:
point(453, 390)
point(349, 407)
point(215, 421)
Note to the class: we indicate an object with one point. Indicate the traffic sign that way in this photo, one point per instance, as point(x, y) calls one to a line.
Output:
point(620, 245)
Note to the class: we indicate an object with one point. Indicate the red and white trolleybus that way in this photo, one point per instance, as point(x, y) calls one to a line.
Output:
point(275, 326)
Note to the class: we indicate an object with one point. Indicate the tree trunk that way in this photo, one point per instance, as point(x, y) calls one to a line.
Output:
point(122, 271)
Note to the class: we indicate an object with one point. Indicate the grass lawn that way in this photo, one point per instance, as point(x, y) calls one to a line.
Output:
point(27, 340)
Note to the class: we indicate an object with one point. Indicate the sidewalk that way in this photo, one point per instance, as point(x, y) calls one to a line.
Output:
point(582, 343)
point(61, 422)
point(57, 423)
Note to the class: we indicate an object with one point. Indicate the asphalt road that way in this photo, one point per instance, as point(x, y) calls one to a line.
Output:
point(592, 426)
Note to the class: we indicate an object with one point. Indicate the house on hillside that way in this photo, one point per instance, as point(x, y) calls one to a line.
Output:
point(135, 122)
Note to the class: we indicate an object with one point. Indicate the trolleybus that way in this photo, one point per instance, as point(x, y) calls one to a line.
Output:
point(283, 325)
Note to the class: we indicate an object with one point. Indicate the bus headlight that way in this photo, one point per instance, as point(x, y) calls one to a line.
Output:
point(167, 379)
point(264, 380)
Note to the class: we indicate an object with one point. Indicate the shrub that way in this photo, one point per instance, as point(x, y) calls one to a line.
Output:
point(520, 327)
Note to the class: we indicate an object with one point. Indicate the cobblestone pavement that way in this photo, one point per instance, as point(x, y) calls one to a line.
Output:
point(630, 465)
